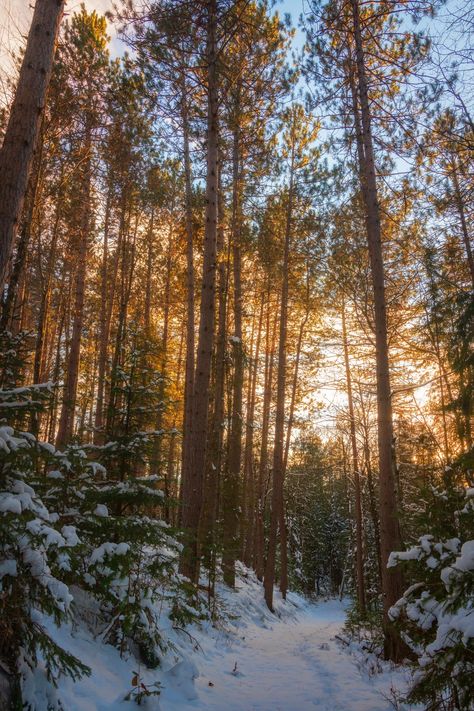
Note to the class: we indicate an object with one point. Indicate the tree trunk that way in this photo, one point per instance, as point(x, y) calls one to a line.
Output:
point(462, 218)
point(231, 483)
point(189, 366)
point(43, 318)
point(127, 268)
point(263, 464)
point(66, 421)
point(277, 513)
point(8, 310)
point(170, 476)
point(19, 143)
point(149, 271)
point(249, 538)
point(283, 531)
point(195, 458)
point(293, 390)
point(104, 324)
point(390, 537)
point(156, 459)
point(209, 524)
point(355, 466)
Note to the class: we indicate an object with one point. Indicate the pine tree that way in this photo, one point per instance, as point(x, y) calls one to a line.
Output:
point(435, 611)
point(36, 551)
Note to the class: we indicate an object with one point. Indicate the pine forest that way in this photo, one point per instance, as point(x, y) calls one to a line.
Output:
point(237, 355)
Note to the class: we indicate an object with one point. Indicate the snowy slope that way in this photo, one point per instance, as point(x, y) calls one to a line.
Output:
point(258, 662)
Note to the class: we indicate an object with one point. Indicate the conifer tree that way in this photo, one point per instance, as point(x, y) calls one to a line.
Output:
point(87, 56)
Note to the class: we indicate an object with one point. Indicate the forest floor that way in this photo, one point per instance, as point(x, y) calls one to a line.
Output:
point(250, 661)
point(295, 664)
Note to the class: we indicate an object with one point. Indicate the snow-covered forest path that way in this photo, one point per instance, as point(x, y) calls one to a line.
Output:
point(250, 660)
point(293, 664)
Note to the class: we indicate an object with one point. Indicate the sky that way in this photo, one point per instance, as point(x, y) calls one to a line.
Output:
point(15, 19)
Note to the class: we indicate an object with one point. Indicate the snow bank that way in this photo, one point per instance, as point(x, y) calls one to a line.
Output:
point(245, 659)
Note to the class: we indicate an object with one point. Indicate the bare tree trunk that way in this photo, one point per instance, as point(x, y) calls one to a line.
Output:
point(189, 367)
point(355, 466)
point(263, 464)
point(149, 271)
point(293, 389)
point(128, 263)
point(209, 524)
point(390, 537)
point(283, 552)
point(462, 218)
point(195, 458)
point(8, 310)
point(19, 143)
point(277, 513)
point(52, 412)
point(249, 538)
point(103, 388)
point(247, 485)
point(41, 333)
point(66, 421)
point(170, 474)
point(231, 501)
point(157, 443)
point(283, 531)
point(45, 297)
point(103, 330)
point(373, 503)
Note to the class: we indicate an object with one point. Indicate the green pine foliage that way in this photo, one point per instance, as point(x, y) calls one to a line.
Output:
point(36, 552)
point(461, 356)
point(436, 613)
point(318, 523)
point(82, 530)
point(128, 553)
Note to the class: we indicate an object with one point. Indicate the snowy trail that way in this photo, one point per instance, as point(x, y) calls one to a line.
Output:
point(292, 665)
point(252, 661)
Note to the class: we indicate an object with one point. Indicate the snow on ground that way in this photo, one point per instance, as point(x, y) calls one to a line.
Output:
point(256, 661)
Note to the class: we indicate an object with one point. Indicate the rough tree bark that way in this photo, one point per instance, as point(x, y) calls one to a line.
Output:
point(16, 154)
point(356, 471)
point(189, 365)
point(23, 242)
point(214, 455)
point(66, 420)
point(462, 218)
point(249, 537)
point(283, 531)
point(156, 458)
point(263, 461)
point(231, 482)
point(195, 457)
point(104, 329)
point(277, 519)
point(390, 537)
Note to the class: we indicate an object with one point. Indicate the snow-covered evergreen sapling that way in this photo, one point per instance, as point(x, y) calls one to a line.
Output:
point(35, 552)
point(132, 567)
point(127, 558)
point(436, 613)
point(69, 523)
